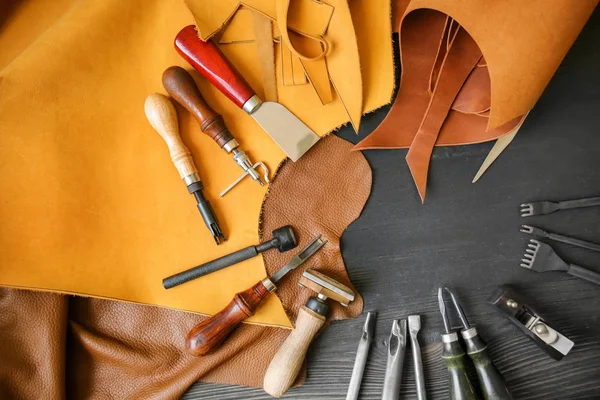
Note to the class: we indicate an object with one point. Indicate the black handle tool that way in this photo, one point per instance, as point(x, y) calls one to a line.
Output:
point(283, 240)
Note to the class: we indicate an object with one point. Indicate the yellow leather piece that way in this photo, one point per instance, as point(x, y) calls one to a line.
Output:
point(343, 57)
point(91, 202)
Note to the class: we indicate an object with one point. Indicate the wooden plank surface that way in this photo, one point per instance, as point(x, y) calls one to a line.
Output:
point(466, 236)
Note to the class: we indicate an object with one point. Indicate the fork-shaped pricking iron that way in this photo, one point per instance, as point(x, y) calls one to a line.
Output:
point(547, 207)
point(532, 230)
point(540, 257)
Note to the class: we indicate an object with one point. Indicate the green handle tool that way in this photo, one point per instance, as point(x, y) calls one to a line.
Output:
point(492, 384)
point(461, 387)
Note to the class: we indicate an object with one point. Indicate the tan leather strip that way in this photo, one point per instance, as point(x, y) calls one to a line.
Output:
point(299, 77)
point(475, 95)
point(282, 7)
point(440, 56)
point(263, 32)
point(460, 60)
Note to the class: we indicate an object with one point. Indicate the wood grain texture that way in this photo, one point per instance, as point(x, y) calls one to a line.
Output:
point(209, 334)
point(182, 88)
point(162, 115)
point(207, 59)
point(466, 237)
point(286, 364)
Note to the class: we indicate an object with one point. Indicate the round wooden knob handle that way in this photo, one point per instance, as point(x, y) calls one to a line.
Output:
point(181, 86)
point(163, 117)
point(286, 364)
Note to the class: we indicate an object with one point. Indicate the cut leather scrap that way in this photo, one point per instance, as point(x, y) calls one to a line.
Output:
point(461, 58)
point(474, 97)
point(263, 34)
point(115, 217)
point(343, 61)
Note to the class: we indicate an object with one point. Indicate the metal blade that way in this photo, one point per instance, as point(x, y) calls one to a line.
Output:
point(291, 134)
point(299, 258)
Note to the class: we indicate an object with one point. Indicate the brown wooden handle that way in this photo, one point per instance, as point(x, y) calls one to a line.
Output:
point(181, 86)
point(208, 335)
point(162, 116)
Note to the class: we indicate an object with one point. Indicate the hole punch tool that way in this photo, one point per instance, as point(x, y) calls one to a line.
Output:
point(395, 359)
point(548, 207)
point(361, 356)
point(286, 363)
point(209, 334)
point(491, 382)
point(532, 230)
point(162, 115)
point(181, 86)
point(283, 239)
point(530, 322)
point(540, 257)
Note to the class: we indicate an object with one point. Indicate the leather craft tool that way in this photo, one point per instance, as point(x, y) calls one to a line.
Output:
point(548, 207)
point(283, 239)
point(290, 134)
point(361, 356)
point(540, 257)
point(286, 363)
point(530, 322)
point(162, 116)
point(414, 326)
point(181, 86)
point(532, 230)
point(460, 385)
point(208, 335)
point(395, 359)
point(491, 382)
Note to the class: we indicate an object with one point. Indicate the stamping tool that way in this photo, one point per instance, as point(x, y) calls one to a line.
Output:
point(491, 382)
point(414, 326)
point(540, 257)
point(286, 363)
point(209, 334)
point(163, 117)
point(283, 239)
point(395, 359)
point(361, 356)
point(460, 385)
point(530, 322)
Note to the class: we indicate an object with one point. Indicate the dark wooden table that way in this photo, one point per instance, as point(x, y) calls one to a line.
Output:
point(466, 236)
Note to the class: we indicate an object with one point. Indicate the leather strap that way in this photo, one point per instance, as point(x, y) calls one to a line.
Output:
point(282, 8)
point(461, 58)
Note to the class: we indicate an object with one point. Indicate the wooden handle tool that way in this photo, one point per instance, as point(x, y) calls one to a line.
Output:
point(163, 117)
point(209, 334)
point(286, 364)
point(181, 86)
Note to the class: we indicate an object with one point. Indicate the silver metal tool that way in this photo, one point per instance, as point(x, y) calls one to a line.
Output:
point(395, 359)
point(548, 207)
point(529, 321)
point(532, 230)
point(250, 170)
point(540, 257)
point(361, 356)
point(414, 326)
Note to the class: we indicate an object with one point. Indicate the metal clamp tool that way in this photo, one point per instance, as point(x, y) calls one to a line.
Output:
point(510, 304)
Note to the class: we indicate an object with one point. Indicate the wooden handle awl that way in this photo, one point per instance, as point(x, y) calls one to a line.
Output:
point(207, 59)
point(181, 86)
point(208, 335)
point(163, 117)
point(286, 364)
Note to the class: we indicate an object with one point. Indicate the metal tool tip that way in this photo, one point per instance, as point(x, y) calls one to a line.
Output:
point(369, 325)
point(414, 323)
point(260, 182)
